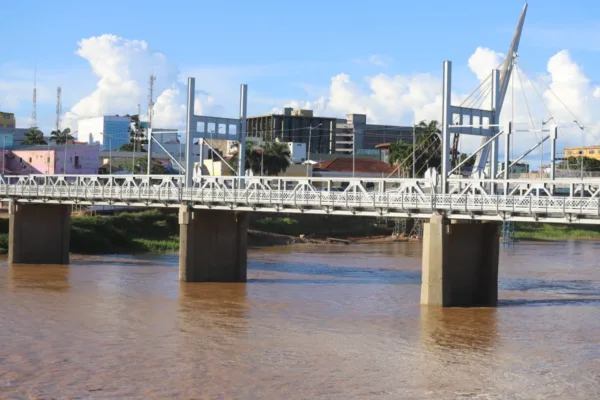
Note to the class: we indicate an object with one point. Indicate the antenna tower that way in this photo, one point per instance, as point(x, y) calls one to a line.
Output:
point(58, 107)
point(151, 99)
point(34, 110)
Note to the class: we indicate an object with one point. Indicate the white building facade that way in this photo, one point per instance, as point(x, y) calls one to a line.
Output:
point(110, 132)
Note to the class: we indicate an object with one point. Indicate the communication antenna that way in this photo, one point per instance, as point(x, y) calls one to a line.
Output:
point(151, 99)
point(58, 107)
point(34, 110)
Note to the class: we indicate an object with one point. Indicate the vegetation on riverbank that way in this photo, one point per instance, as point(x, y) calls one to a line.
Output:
point(157, 231)
point(550, 232)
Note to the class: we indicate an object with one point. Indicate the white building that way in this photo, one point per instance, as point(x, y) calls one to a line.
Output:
point(110, 132)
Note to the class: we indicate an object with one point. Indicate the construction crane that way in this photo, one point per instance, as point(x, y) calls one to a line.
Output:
point(505, 74)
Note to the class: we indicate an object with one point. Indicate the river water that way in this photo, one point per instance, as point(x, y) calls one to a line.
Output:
point(330, 322)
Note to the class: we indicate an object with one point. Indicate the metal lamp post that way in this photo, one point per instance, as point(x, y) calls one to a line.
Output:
point(310, 128)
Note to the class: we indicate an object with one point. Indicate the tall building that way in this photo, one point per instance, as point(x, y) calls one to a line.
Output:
point(295, 126)
point(328, 135)
point(110, 132)
point(7, 120)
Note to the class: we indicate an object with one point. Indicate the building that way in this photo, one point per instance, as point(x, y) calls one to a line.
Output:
point(347, 167)
point(53, 159)
point(110, 132)
point(587, 151)
point(7, 120)
point(17, 135)
point(354, 132)
point(295, 126)
point(328, 135)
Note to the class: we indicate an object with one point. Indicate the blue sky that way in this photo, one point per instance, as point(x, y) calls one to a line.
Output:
point(286, 51)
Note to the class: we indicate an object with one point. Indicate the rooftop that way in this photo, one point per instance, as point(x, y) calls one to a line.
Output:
point(343, 164)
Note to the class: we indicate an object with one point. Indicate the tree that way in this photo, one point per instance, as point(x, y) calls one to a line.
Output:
point(137, 135)
point(426, 149)
point(589, 164)
point(34, 137)
point(469, 163)
point(62, 137)
point(129, 147)
point(157, 168)
point(271, 159)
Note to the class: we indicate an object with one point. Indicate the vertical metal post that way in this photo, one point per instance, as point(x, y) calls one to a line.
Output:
point(413, 151)
point(242, 150)
point(149, 167)
point(446, 121)
point(507, 157)
point(308, 149)
point(553, 137)
point(353, 154)
point(496, 112)
point(190, 129)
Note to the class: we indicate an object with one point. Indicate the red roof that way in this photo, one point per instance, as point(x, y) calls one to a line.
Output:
point(383, 145)
point(368, 165)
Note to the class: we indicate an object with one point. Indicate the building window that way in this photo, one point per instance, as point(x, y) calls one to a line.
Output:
point(7, 116)
point(591, 152)
point(580, 152)
point(77, 165)
point(30, 160)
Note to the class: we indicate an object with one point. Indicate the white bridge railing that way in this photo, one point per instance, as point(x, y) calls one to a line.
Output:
point(566, 201)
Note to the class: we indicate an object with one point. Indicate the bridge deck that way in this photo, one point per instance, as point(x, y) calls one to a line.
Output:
point(576, 202)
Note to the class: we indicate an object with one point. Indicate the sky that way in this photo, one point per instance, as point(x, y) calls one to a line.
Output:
point(382, 58)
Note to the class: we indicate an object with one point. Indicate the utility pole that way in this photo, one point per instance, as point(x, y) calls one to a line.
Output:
point(34, 109)
point(581, 155)
point(310, 128)
point(150, 112)
point(413, 152)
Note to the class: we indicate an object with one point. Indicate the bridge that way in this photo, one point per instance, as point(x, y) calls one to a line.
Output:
point(460, 243)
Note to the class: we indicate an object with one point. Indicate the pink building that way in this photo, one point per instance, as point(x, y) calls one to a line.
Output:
point(26, 160)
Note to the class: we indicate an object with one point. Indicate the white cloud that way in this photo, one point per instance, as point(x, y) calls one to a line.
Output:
point(374, 59)
point(122, 68)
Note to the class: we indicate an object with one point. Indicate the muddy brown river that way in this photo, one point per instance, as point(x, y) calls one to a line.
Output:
point(313, 322)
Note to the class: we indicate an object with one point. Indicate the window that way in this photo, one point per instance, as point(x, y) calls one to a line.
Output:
point(77, 165)
point(591, 152)
point(7, 116)
point(30, 159)
point(580, 152)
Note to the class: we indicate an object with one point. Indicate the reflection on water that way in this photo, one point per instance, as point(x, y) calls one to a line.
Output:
point(333, 322)
point(470, 329)
point(43, 277)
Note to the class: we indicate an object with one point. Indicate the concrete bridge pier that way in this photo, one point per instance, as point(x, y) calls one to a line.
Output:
point(39, 233)
point(212, 245)
point(460, 263)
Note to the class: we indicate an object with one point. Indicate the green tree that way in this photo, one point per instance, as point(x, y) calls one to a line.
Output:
point(469, 163)
point(157, 168)
point(137, 134)
point(34, 137)
point(589, 164)
point(62, 137)
point(271, 159)
point(426, 149)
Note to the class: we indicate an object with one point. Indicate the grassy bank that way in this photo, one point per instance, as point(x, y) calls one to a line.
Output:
point(154, 231)
point(147, 231)
point(556, 232)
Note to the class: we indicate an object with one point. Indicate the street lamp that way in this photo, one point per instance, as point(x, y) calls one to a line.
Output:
point(582, 144)
point(542, 145)
point(310, 128)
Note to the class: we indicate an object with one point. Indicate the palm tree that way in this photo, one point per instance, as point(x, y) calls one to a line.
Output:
point(426, 149)
point(270, 160)
point(62, 137)
point(34, 137)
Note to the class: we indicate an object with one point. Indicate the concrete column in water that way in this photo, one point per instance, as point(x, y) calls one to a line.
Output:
point(460, 263)
point(39, 233)
point(212, 245)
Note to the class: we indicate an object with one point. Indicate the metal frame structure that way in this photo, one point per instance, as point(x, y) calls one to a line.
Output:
point(466, 199)
point(197, 128)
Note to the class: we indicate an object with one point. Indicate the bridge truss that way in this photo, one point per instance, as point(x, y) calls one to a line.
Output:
point(574, 202)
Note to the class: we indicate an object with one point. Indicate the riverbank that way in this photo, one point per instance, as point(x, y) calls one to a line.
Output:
point(556, 232)
point(157, 231)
